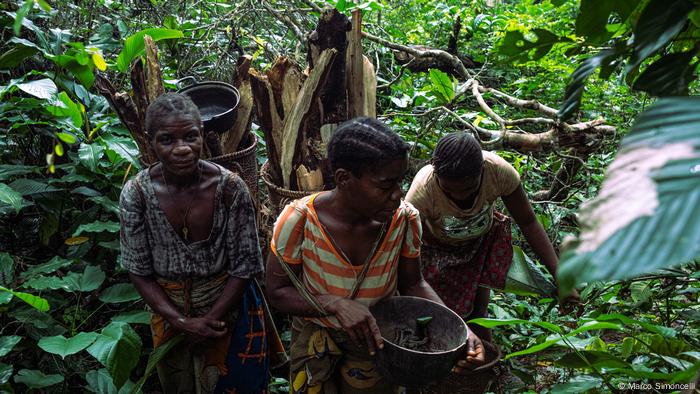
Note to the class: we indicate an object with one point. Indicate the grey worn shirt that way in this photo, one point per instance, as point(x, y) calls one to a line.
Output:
point(150, 245)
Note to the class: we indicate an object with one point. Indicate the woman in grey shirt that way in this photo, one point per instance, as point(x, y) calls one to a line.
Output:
point(189, 242)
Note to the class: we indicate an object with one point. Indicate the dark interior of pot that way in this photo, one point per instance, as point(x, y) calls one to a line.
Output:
point(212, 100)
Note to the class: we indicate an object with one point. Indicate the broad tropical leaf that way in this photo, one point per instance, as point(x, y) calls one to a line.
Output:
point(442, 86)
point(121, 292)
point(645, 216)
point(5, 373)
point(90, 155)
point(7, 269)
point(36, 302)
point(7, 343)
point(66, 346)
point(516, 46)
point(668, 76)
point(36, 379)
point(660, 21)
point(41, 88)
point(100, 382)
point(574, 92)
point(13, 198)
point(134, 45)
point(133, 317)
point(52, 265)
point(118, 348)
point(97, 227)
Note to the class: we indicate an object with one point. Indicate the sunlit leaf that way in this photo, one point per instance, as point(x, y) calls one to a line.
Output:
point(658, 165)
point(41, 88)
point(97, 227)
point(134, 45)
point(90, 155)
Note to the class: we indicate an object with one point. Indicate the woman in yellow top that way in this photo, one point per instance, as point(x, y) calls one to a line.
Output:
point(336, 253)
point(467, 243)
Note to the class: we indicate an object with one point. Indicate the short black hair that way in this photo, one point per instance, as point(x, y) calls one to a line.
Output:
point(457, 155)
point(169, 104)
point(364, 143)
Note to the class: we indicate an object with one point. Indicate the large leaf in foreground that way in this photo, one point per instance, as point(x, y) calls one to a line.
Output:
point(66, 346)
point(646, 215)
point(118, 348)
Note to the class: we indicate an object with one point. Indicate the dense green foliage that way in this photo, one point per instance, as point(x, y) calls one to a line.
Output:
point(71, 322)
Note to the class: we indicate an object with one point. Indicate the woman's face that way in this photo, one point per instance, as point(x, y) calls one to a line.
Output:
point(377, 193)
point(177, 142)
point(459, 189)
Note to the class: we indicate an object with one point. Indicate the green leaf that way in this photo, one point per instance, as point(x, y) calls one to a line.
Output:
point(123, 147)
point(21, 13)
point(90, 280)
point(51, 266)
point(41, 88)
point(12, 198)
point(10, 170)
point(36, 379)
point(588, 326)
point(7, 343)
point(121, 292)
point(28, 187)
point(442, 86)
point(68, 138)
point(134, 45)
point(97, 227)
point(63, 347)
point(133, 317)
point(14, 56)
point(517, 47)
point(155, 357)
point(667, 332)
point(526, 278)
point(577, 384)
point(90, 155)
point(658, 23)
point(5, 373)
point(668, 76)
point(7, 269)
point(658, 164)
point(595, 358)
point(118, 348)
point(66, 107)
point(592, 20)
point(100, 382)
point(490, 323)
point(574, 91)
point(35, 302)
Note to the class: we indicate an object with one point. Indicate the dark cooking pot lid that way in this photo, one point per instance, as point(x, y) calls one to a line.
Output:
point(214, 99)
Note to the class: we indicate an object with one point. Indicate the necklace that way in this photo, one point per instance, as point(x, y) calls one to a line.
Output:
point(185, 229)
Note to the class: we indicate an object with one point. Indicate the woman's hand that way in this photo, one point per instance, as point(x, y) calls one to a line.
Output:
point(358, 322)
point(200, 328)
point(476, 355)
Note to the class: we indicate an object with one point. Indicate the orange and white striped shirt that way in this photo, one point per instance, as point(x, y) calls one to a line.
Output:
point(299, 238)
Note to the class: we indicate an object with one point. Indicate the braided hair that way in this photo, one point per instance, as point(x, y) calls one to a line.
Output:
point(457, 155)
point(170, 104)
point(364, 143)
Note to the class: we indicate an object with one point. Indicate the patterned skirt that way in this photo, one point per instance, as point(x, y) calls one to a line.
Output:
point(456, 272)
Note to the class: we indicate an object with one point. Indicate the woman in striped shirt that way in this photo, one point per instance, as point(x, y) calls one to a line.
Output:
point(336, 253)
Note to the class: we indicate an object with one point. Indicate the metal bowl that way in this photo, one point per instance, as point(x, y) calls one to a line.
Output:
point(217, 102)
point(411, 368)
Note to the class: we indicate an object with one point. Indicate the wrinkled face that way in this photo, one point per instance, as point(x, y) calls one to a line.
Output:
point(459, 189)
point(177, 142)
point(377, 193)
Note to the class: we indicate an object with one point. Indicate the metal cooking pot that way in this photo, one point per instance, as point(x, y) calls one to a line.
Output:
point(217, 102)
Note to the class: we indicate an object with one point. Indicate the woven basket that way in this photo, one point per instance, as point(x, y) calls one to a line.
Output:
point(279, 195)
point(244, 163)
point(470, 382)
